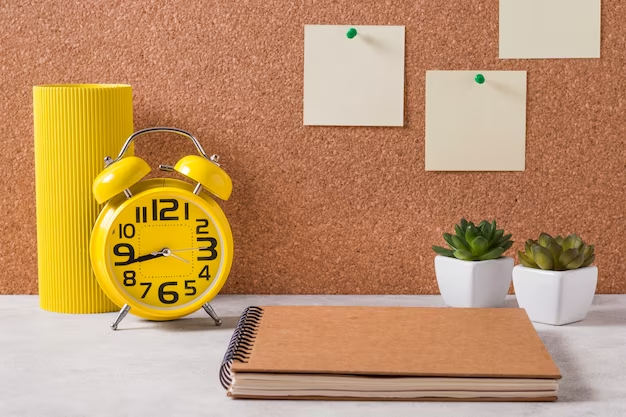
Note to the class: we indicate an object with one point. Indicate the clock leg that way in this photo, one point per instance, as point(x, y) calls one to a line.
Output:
point(209, 310)
point(123, 312)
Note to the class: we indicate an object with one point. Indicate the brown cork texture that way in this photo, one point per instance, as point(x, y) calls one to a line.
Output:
point(321, 209)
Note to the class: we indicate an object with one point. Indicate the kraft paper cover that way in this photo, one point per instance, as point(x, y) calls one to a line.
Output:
point(454, 342)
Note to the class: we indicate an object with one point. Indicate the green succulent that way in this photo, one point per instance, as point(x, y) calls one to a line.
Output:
point(475, 243)
point(557, 254)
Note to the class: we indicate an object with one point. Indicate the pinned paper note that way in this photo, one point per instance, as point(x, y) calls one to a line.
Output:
point(475, 120)
point(353, 75)
point(549, 28)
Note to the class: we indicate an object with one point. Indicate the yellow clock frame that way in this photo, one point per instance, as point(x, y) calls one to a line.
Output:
point(120, 184)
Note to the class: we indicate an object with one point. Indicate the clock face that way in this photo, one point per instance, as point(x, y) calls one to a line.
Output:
point(163, 250)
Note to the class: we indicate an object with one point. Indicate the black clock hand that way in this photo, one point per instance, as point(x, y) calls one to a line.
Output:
point(144, 258)
point(163, 252)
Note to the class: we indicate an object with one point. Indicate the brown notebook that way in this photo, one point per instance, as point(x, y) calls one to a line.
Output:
point(388, 353)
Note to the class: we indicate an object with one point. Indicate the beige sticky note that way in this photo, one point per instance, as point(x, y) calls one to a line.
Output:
point(472, 126)
point(549, 28)
point(353, 82)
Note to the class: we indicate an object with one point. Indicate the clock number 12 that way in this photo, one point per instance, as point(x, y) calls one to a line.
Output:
point(141, 213)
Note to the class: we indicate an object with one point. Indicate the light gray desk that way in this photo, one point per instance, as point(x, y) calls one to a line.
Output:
point(71, 365)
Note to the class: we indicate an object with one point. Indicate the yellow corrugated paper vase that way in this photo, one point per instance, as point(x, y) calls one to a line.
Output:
point(76, 126)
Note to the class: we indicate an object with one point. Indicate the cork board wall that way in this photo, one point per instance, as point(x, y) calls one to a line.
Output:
point(322, 209)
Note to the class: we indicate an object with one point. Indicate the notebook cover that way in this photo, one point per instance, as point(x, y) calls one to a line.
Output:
point(396, 341)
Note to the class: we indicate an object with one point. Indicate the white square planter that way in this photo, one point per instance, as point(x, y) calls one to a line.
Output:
point(555, 297)
point(473, 283)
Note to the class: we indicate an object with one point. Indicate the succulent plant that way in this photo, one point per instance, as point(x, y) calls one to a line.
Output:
point(475, 243)
point(557, 254)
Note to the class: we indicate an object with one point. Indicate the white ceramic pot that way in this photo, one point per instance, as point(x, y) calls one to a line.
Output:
point(555, 297)
point(473, 283)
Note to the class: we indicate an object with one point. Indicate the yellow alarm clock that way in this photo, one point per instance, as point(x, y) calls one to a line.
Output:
point(161, 248)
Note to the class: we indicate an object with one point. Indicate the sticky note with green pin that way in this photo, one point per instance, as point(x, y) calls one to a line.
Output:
point(353, 75)
point(475, 113)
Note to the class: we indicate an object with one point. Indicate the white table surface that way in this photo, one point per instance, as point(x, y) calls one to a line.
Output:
point(74, 365)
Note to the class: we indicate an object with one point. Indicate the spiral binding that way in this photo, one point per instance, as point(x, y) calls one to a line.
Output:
point(241, 343)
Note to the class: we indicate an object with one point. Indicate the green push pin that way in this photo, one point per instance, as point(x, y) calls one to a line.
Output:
point(479, 78)
point(351, 33)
